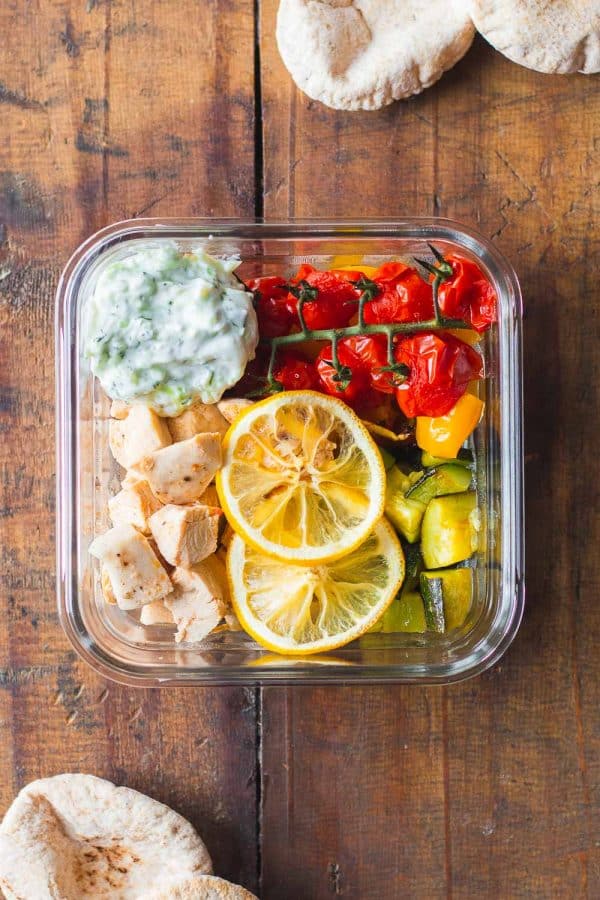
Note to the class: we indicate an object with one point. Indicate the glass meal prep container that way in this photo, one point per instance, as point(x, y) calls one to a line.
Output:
point(114, 642)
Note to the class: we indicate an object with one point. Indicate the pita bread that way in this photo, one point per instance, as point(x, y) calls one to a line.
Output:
point(555, 36)
point(363, 54)
point(76, 836)
point(204, 887)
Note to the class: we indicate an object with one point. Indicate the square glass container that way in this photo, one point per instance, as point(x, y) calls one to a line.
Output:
point(114, 642)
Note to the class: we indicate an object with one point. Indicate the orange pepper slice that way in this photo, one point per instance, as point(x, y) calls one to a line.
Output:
point(444, 435)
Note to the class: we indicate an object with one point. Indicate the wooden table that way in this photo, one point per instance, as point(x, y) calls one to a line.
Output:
point(486, 789)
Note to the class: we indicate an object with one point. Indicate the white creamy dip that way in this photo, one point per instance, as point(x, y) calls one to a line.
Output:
point(167, 328)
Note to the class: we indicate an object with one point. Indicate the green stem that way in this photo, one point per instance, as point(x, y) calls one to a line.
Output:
point(388, 328)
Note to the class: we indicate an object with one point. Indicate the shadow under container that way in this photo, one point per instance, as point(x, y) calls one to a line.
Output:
point(114, 642)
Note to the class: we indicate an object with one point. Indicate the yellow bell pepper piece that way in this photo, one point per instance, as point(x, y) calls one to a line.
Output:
point(345, 266)
point(444, 435)
point(467, 335)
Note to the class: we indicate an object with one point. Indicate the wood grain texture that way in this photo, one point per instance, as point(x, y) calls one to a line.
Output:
point(491, 788)
point(108, 111)
point(488, 789)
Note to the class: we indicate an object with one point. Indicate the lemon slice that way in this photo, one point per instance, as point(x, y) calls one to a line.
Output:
point(298, 610)
point(302, 479)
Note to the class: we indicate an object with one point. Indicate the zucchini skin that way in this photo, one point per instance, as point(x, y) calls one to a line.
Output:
point(432, 593)
point(448, 534)
point(438, 481)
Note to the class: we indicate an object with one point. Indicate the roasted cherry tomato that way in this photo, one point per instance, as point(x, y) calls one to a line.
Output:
point(403, 296)
point(295, 373)
point(353, 387)
point(371, 356)
point(330, 298)
point(275, 318)
point(440, 368)
point(467, 294)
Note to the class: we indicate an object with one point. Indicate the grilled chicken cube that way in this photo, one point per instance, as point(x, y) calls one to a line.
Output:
point(182, 472)
point(156, 614)
point(107, 591)
point(119, 409)
point(186, 534)
point(141, 432)
point(199, 418)
point(200, 599)
point(230, 409)
point(135, 573)
point(133, 506)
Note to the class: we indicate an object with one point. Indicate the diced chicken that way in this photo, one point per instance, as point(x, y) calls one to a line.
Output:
point(131, 477)
point(133, 506)
point(186, 534)
point(156, 614)
point(182, 472)
point(107, 591)
point(200, 600)
point(210, 496)
point(199, 418)
point(231, 409)
point(141, 432)
point(119, 409)
point(135, 573)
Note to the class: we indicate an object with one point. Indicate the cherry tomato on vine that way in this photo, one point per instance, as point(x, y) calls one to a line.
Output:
point(467, 294)
point(295, 373)
point(440, 367)
point(371, 355)
point(331, 300)
point(403, 296)
point(353, 386)
point(274, 316)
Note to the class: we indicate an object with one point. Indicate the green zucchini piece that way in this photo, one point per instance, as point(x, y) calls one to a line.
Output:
point(388, 459)
point(404, 614)
point(404, 514)
point(464, 458)
point(449, 531)
point(441, 480)
point(433, 602)
point(413, 564)
point(457, 588)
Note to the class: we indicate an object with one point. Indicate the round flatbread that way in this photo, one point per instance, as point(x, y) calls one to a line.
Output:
point(203, 887)
point(363, 54)
point(554, 36)
point(77, 836)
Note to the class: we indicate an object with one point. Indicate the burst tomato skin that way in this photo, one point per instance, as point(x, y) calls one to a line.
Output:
point(403, 296)
point(468, 295)
point(371, 356)
point(359, 380)
point(275, 319)
point(336, 299)
point(295, 373)
point(440, 368)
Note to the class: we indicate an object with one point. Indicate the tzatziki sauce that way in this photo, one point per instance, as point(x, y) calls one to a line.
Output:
point(166, 328)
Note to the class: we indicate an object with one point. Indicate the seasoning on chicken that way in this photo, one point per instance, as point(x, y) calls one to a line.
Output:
point(135, 573)
point(182, 472)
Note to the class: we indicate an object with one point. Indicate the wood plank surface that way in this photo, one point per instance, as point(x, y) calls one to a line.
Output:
point(490, 788)
point(108, 110)
point(487, 789)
